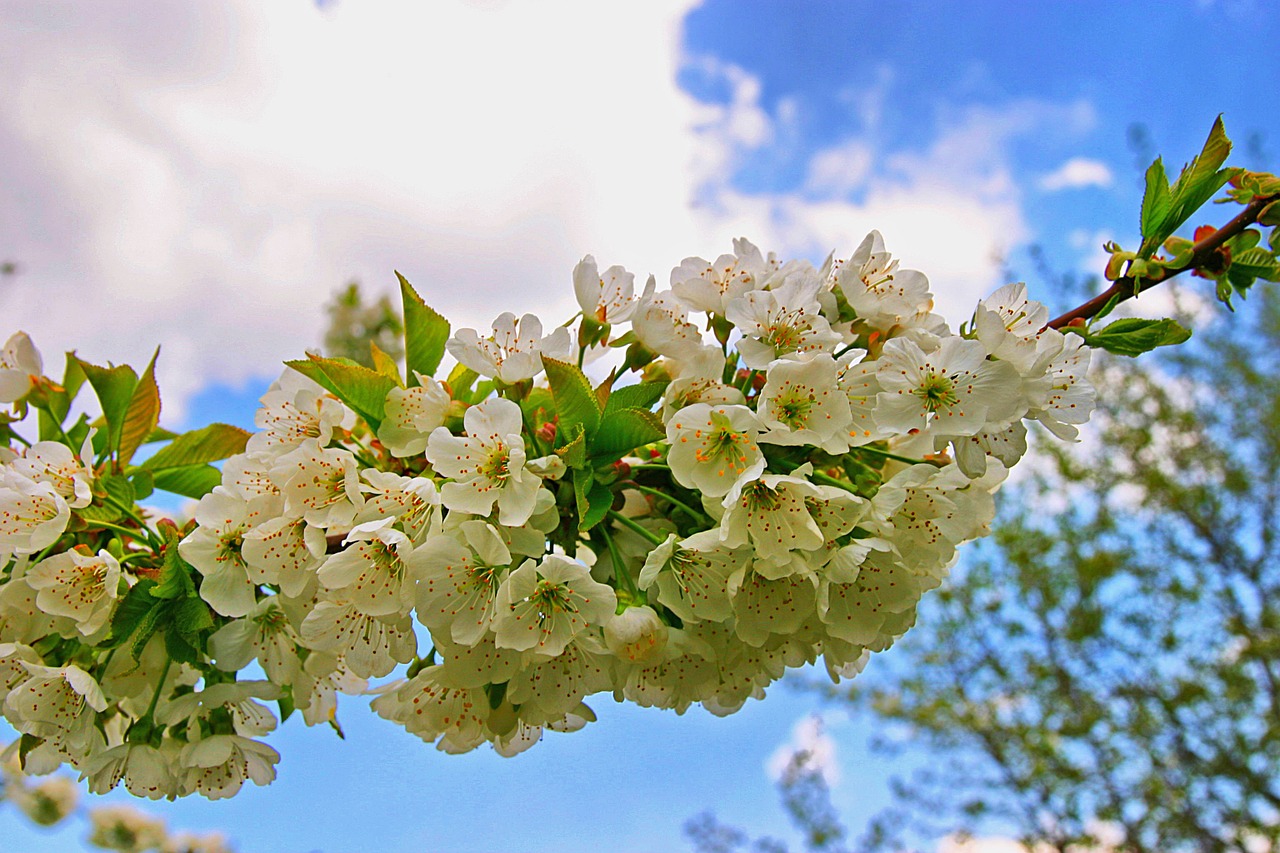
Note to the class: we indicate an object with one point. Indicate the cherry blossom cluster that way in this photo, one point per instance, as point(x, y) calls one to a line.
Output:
point(781, 460)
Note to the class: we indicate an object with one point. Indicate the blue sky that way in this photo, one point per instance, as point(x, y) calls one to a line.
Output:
point(208, 189)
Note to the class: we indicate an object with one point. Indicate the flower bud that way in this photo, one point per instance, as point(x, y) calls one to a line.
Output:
point(636, 635)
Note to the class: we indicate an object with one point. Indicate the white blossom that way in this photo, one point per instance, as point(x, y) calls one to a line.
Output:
point(20, 366)
point(488, 465)
point(513, 352)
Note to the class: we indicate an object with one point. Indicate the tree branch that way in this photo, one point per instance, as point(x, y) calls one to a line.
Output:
point(1126, 287)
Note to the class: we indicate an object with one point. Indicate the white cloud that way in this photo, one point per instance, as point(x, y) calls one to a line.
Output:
point(1076, 173)
point(952, 209)
point(809, 737)
point(208, 190)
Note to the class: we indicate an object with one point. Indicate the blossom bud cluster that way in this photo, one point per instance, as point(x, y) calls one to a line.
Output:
point(784, 461)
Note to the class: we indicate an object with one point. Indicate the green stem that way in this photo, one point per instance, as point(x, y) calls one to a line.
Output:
point(155, 698)
point(533, 435)
point(619, 571)
point(45, 552)
point(127, 531)
point(887, 455)
point(845, 349)
point(145, 529)
point(651, 466)
point(635, 527)
point(632, 484)
point(826, 479)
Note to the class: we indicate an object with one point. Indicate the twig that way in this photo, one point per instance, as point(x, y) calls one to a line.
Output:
point(1126, 287)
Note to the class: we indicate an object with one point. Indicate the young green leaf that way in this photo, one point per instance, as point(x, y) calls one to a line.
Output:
point(574, 452)
point(207, 444)
point(134, 611)
point(1133, 336)
point(1165, 209)
point(362, 389)
point(117, 499)
point(622, 431)
point(575, 398)
point(114, 387)
point(425, 333)
point(1156, 202)
point(143, 413)
point(640, 396)
point(593, 499)
point(385, 364)
point(176, 575)
point(190, 481)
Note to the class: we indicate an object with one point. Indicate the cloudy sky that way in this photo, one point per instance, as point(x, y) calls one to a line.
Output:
point(203, 175)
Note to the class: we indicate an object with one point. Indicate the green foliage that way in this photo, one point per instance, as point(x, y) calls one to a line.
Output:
point(1167, 208)
point(362, 388)
point(182, 466)
point(425, 333)
point(575, 399)
point(1111, 654)
point(1133, 336)
point(142, 415)
point(114, 387)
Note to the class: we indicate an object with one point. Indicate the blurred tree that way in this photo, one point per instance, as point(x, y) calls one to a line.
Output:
point(353, 325)
point(1104, 671)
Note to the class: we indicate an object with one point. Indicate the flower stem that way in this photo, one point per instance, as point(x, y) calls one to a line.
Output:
point(875, 451)
point(637, 528)
point(828, 480)
point(619, 571)
point(695, 514)
point(155, 698)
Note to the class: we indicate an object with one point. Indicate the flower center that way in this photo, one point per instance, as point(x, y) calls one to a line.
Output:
point(792, 407)
point(757, 497)
point(937, 392)
point(497, 465)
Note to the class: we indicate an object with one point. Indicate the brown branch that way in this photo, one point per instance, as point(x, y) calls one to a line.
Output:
point(1126, 287)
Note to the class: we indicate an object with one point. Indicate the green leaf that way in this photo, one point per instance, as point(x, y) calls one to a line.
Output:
point(1256, 262)
point(362, 389)
point(385, 364)
point(146, 629)
point(593, 499)
point(143, 484)
point(623, 431)
point(425, 333)
point(175, 575)
point(1156, 202)
point(179, 648)
point(639, 396)
point(143, 413)
point(118, 499)
point(1198, 181)
point(575, 399)
point(198, 447)
point(114, 387)
point(25, 744)
point(1133, 336)
point(574, 453)
point(192, 617)
point(460, 380)
point(191, 481)
point(132, 610)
